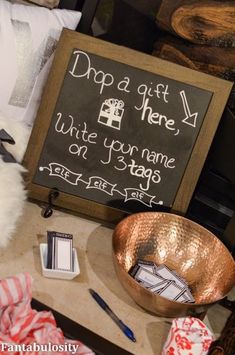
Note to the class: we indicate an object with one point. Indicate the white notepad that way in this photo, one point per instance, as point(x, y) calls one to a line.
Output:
point(63, 254)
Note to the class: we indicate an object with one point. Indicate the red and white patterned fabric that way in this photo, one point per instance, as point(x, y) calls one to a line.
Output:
point(188, 336)
point(20, 324)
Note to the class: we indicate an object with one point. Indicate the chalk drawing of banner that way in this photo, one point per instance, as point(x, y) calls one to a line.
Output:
point(99, 183)
point(62, 172)
point(141, 196)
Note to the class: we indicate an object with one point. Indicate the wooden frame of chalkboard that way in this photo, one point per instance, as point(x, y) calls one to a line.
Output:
point(120, 131)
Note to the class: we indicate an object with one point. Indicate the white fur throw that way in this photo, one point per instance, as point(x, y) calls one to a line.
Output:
point(12, 191)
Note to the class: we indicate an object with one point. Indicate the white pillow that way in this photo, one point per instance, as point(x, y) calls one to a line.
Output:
point(28, 37)
point(47, 3)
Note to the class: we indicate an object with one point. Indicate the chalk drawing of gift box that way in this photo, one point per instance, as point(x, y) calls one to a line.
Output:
point(111, 113)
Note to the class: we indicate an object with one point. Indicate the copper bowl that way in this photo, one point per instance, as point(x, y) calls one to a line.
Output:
point(192, 251)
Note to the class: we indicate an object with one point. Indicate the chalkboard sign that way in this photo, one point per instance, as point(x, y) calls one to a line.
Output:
point(121, 129)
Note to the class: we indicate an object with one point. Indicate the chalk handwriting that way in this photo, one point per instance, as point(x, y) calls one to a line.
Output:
point(121, 164)
point(120, 154)
point(160, 92)
point(123, 84)
point(158, 158)
point(117, 146)
point(144, 173)
point(79, 150)
point(139, 171)
point(65, 125)
point(81, 69)
point(157, 118)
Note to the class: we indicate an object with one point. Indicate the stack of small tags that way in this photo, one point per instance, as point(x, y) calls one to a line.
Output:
point(161, 280)
point(59, 251)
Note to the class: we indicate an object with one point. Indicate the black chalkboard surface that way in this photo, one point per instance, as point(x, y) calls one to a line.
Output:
point(120, 135)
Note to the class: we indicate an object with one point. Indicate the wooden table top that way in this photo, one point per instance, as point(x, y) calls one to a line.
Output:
point(71, 298)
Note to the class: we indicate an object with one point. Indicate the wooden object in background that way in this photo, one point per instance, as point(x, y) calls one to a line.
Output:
point(207, 22)
point(169, 52)
point(212, 60)
point(215, 61)
point(167, 8)
point(201, 53)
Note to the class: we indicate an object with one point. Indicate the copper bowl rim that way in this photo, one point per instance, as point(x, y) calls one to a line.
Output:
point(184, 305)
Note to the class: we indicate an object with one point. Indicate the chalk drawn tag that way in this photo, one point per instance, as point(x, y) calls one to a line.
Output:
point(62, 172)
point(111, 113)
point(139, 195)
point(97, 182)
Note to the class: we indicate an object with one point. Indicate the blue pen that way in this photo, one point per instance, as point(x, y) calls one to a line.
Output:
point(127, 331)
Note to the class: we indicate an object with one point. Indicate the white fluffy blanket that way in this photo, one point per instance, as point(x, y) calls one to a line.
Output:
point(12, 191)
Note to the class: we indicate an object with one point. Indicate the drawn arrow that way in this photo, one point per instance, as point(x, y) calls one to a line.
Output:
point(191, 118)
